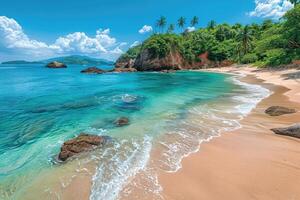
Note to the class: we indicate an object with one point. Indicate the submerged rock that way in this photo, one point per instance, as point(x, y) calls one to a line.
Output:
point(279, 110)
point(293, 131)
point(122, 121)
point(93, 70)
point(82, 143)
point(56, 64)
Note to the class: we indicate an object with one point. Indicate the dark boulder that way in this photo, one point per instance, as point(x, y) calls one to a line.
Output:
point(122, 121)
point(93, 70)
point(279, 110)
point(82, 143)
point(56, 64)
point(292, 131)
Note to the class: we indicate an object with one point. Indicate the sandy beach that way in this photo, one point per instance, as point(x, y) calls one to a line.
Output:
point(248, 163)
point(251, 162)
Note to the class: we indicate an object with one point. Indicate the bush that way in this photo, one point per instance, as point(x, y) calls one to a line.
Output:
point(292, 27)
point(249, 58)
point(161, 44)
point(222, 51)
point(276, 57)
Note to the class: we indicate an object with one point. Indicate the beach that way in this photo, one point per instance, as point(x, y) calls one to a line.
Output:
point(251, 162)
point(237, 157)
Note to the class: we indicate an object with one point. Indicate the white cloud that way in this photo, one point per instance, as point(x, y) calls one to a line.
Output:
point(135, 43)
point(270, 8)
point(190, 29)
point(145, 29)
point(13, 39)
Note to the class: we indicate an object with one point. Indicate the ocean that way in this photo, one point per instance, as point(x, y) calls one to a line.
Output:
point(170, 115)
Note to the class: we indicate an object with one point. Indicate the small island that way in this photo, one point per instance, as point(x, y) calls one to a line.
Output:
point(21, 62)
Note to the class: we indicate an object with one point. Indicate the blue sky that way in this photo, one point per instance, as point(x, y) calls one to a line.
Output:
point(34, 29)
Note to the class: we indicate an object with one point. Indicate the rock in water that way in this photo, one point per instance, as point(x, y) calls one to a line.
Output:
point(293, 131)
point(84, 142)
point(279, 110)
point(56, 65)
point(122, 121)
point(92, 70)
point(124, 70)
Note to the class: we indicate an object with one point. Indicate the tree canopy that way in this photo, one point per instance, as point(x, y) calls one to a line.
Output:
point(266, 44)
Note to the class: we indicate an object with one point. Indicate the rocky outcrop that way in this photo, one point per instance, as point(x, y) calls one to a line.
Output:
point(125, 63)
point(125, 70)
point(82, 143)
point(292, 131)
point(279, 110)
point(146, 62)
point(122, 121)
point(56, 65)
point(92, 70)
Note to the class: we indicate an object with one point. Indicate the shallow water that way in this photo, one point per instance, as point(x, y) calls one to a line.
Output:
point(170, 115)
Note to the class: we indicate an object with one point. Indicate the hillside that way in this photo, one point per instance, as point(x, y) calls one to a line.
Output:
point(268, 44)
point(80, 60)
point(68, 60)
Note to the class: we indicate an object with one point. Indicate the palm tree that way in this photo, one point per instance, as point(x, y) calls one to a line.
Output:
point(161, 23)
point(181, 23)
point(245, 41)
point(212, 24)
point(194, 21)
point(294, 2)
point(171, 28)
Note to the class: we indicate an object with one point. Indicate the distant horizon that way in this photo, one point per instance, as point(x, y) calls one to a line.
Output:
point(105, 29)
point(50, 58)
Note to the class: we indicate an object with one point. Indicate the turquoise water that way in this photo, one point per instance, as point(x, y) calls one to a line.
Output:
point(40, 108)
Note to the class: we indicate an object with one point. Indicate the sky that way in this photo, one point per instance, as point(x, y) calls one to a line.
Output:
point(35, 29)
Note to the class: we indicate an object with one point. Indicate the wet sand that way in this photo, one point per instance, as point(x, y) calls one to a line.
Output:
point(251, 162)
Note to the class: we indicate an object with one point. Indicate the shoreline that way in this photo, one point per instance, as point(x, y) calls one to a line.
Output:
point(250, 162)
point(221, 166)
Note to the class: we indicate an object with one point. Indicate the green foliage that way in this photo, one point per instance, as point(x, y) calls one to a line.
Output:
point(276, 57)
point(292, 27)
point(223, 51)
point(171, 28)
point(270, 39)
point(224, 32)
point(211, 25)
point(249, 58)
point(194, 21)
point(161, 23)
point(266, 44)
point(160, 45)
point(132, 53)
point(244, 39)
point(196, 43)
point(181, 22)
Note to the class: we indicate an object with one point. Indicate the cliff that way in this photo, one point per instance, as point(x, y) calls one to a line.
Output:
point(147, 62)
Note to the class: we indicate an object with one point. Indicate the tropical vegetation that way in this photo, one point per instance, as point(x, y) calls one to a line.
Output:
point(270, 43)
